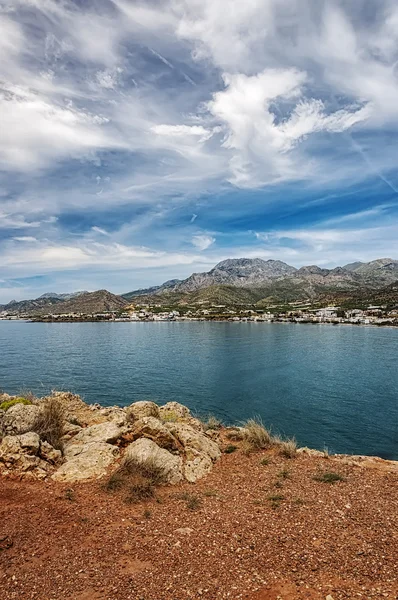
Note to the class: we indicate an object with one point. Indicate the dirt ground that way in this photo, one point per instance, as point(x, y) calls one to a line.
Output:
point(248, 530)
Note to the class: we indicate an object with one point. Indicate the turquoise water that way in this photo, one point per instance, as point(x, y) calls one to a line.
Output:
point(334, 386)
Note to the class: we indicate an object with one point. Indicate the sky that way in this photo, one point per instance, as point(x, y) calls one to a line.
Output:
point(144, 141)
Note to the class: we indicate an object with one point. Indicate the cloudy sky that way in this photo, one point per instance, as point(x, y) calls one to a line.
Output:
point(142, 141)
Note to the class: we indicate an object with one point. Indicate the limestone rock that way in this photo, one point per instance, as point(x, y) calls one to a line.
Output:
point(191, 438)
point(141, 409)
point(89, 461)
point(197, 465)
point(311, 452)
point(174, 411)
point(144, 449)
point(116, 414)
point(20, 418)
point(108, 432)
point(20, 453)
point(50, 454)
point(155, 430)
point(70, 431)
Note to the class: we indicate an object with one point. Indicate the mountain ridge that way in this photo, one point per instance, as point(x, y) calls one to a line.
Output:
point(239, 281)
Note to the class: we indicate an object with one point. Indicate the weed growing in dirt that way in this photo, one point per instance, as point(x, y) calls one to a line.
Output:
point(256, 436)
point(70, 495)
point(230, 448)
point(139, 478)
point(265, 461)
point(147, 514)
point(275, 500)
point(192, 501)
point(288, 448)
point(329, 477)
point(210, 493)
point(210, 422)
point(284, 474)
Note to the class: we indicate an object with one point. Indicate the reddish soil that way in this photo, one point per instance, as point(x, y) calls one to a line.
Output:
point(319, 541)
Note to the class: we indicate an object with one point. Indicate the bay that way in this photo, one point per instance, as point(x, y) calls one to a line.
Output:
point(329, 386)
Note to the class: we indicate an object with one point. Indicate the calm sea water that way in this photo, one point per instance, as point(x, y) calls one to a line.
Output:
point(334, 386)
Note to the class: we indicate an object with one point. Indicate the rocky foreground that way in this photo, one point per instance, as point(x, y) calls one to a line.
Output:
point(223, 518)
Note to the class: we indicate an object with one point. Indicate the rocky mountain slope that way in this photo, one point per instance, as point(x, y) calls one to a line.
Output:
point(100, 301)
point(246, 280)
point(237, 281)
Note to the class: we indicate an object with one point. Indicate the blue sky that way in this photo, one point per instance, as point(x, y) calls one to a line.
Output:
point(143, 141)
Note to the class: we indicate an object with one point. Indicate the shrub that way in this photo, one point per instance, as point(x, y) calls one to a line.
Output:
point(49, 423)
point(256, 436)
point(140, 478)
point(193, 503)
point(210, 422)
point(329, 477)
point(288, 448)
point(230, 448)
point(8, 403)
point(284, 474)
point(170, 417)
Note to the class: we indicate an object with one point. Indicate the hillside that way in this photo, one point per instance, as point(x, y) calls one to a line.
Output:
point(100, 301)
point(249, 281)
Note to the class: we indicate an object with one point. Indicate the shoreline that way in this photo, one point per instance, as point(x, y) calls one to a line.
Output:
point(387, 325)
point(262, 524)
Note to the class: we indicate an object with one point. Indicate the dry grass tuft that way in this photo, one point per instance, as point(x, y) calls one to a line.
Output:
point(49, 424)
point(139, 478)
point(210, 422)
point(288, 448)
point(256, 436)
point(329, 477)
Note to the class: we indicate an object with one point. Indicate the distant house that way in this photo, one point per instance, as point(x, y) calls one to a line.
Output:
point(330, 312)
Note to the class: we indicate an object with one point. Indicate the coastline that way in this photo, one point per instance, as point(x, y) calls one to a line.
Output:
point(387, 325)
point(257, 525)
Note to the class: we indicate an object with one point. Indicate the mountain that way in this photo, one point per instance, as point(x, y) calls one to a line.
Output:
point(239, 272)
point(250, 281)
point(353, 266)
point(101, 301)
point(62, 296)
point(382, 271)
point(28, 306)
point(151, 290)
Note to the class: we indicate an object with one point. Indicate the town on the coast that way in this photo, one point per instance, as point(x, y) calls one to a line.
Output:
point(371, 315)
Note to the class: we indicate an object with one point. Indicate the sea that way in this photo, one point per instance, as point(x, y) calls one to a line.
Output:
point(332, 387)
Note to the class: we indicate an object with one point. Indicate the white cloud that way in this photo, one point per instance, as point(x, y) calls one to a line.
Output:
point(202, 241)
point(25, 238)
point(99, 230)
point(35, 131)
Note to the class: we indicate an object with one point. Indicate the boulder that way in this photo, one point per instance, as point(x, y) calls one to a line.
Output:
point(20, 453)
point(115, 414)
point(155, 430)
point(50, 454)
point(144, 450)
point(90, 461)
point(108, 432)
point(20, 418)
point(197, 465)
point(141, 409)
point(174, 411)
point(191, 438)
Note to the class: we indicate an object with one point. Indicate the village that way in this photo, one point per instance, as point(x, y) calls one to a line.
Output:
point(304, 313)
